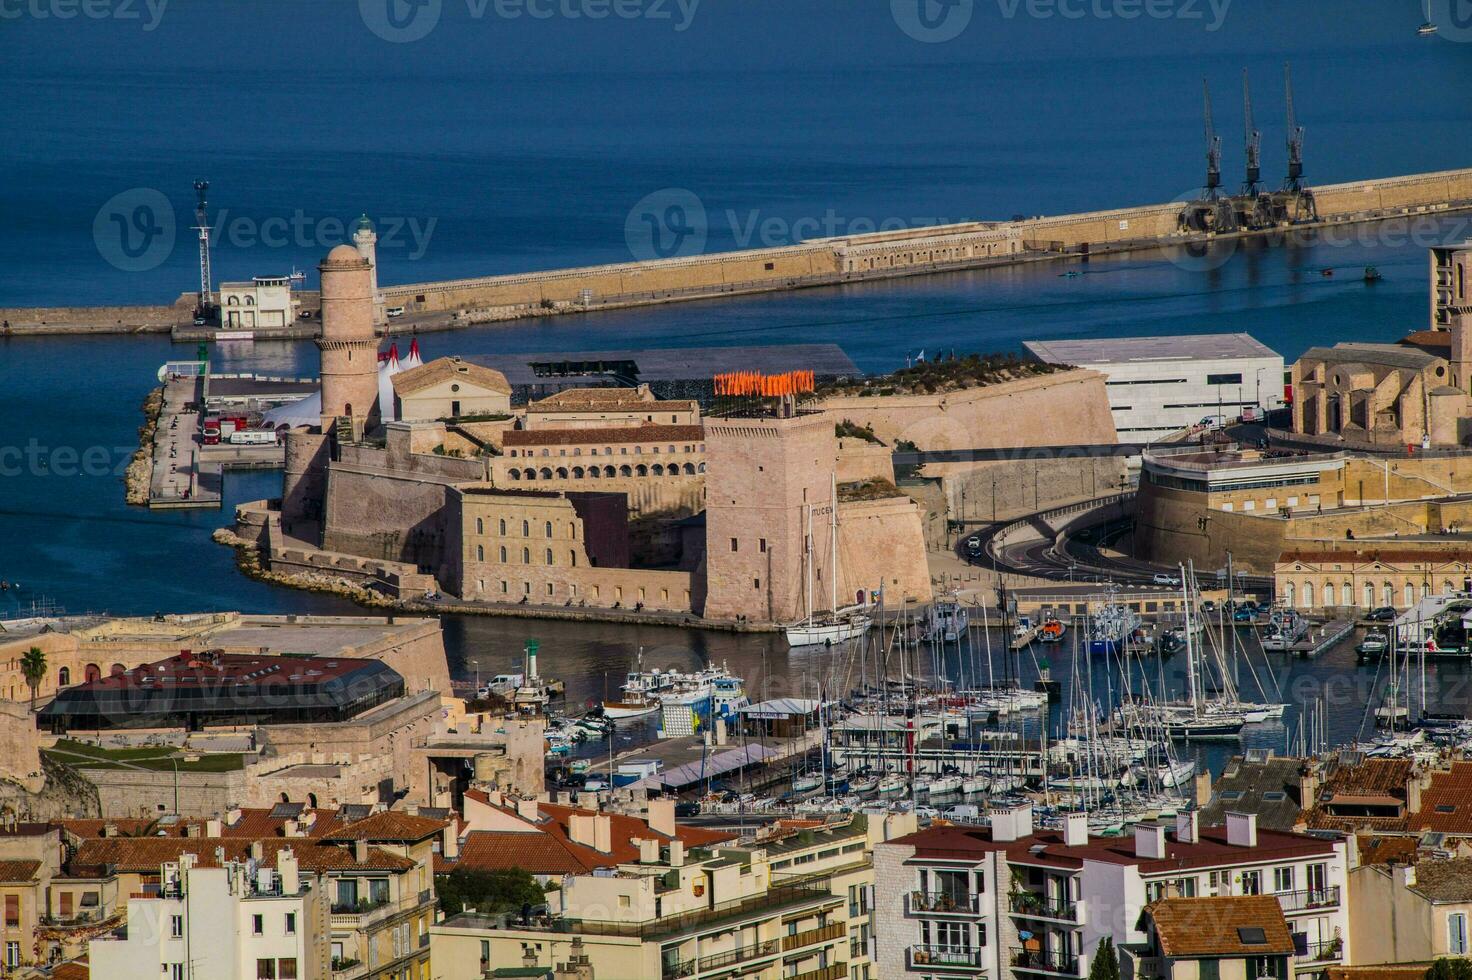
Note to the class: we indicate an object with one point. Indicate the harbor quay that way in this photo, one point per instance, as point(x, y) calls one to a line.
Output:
point(430, 306)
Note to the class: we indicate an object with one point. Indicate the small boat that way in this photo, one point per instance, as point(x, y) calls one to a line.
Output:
point(828, 631)
point(1176, 774)
point(1372, 274)
point(975, 784)
point(893, 785)
point(1071, 274)
point(1328, 273)
point(1427, 29)
point(866, 783)
point(1372, 645)
point(941, 785)
point(1052, 631)
point(633, 708)
point(807, 782)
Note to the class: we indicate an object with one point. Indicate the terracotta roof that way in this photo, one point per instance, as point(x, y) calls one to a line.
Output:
point(610, 434)
point(594, 399)
point(1223, 926)
point(78, 969)
point(143, 855)
point(1046, 849)
point(254, 822)
point(13, 872)
point(1377, 849)
point(388, 826)
point(1389, 556)
point(1446, 804)
point(551, 850)
point(1379, 782)
point(1427, 338)
point(446, 369)
point(1446, 880)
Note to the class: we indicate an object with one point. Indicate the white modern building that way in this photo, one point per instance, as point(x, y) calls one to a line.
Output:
point(1161, 385)
point(236, 922)
point(1007, 902)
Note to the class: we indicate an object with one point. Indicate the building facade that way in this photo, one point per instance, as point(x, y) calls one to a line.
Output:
point(1160, 385)
point(1008, 901)
point(264, 302)
point(449, 388)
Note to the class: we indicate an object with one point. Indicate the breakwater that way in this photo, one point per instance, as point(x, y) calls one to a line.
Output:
point(814, 263)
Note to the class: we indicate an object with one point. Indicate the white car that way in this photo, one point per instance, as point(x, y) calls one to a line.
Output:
point(1163, 579)
point(1212, 422)
point(394, 312)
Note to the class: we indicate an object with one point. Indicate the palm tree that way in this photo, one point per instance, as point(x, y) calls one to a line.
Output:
point(33, 668)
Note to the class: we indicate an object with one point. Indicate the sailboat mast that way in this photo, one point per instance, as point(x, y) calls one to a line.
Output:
point(808, 560)
point(833, 534)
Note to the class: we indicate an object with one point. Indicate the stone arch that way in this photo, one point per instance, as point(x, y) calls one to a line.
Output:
point(92, 672)
point(689, 469)
point(562, 472)
point(577, 472)
point(624, 470)
point(702, 468)
point(117, 670)
point(658, 469)
point(545, 473)
point(63, 677)
point(312, 800)
point(641, 470)
point(609, 472)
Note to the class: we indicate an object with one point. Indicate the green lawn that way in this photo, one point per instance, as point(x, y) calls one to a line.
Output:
point(80, 755)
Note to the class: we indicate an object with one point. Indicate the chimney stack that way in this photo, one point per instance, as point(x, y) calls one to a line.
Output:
point(360, 852)
point(677, 853)
point(603, 833)
point(528, 810)
point(662, 816)
point(1188, 828)
point(1149, 841)
point(1242, 829)
point(286, 866)
point(580, 829)
point(648, 851)
point(1011, 823)
point(449, 843)
point(1076, 829)
point(213, 829)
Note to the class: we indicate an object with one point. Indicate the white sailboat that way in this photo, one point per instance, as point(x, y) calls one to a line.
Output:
point(1428, 27)
point(839, 624)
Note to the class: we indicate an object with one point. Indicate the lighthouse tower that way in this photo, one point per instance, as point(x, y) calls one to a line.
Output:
point(365, 240)
point(349, 345)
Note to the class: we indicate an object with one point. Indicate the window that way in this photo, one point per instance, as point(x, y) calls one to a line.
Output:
point(480, 525)
point(1283, 879)
point(549, 556)
point(761, 545)
point(1456, 933)
point(503, 526)
point(480, 553)
point(733, 544)
point(286, 968)
point(12, 955)
point(291, 923)
point(549, 529)
point(1252, 883)
point(176, 926)
point(257, 925)
point(265, 969)
point(1209, 969)
point(1224, 379)
point(176, 971)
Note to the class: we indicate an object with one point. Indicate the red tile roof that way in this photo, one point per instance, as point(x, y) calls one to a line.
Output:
point(389, 825)
point(551, 850)
point(1211, 927)
point(1047, 849)
point(15, 872)
point(1446, 804)
point(1389, 556)
point(77, 969)
point(143, 855)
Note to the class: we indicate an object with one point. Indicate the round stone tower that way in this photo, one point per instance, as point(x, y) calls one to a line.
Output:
point(349, 345)
point(365, 240)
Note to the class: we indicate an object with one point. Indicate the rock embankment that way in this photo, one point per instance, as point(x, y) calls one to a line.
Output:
point(140, 469)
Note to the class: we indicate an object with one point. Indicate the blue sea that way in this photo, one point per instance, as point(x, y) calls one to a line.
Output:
point(506, 135)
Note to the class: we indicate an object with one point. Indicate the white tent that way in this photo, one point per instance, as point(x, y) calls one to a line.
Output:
point(413, 360)
point(307, 411)
point(388, 366)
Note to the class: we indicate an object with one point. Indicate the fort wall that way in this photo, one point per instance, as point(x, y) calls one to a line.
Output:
point(880, 544)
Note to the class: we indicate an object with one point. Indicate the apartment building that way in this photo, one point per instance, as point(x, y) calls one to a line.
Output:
point(795, 903)
point(1410, 913)
point(1007, 900)
point(232, 922)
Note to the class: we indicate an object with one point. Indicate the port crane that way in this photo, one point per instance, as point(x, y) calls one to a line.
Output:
point(1304, 208)
point(1212, 213)
point(1254, 208)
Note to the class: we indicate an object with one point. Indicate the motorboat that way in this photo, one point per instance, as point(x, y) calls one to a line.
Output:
point(1052, 631)
point(948, 619)
point(944, 784)
point(893, 785)
point(1112, 629)
point(637, 707)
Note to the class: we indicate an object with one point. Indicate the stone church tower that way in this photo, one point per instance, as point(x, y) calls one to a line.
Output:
point(349, 345)
point(1452, 298)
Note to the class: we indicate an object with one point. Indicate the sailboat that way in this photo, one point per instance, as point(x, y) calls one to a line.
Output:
point(839, 624)
point(1428, 27)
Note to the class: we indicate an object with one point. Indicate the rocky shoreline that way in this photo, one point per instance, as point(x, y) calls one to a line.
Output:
point(140, 468)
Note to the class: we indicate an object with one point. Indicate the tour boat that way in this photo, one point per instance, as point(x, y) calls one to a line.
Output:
point(631, 708)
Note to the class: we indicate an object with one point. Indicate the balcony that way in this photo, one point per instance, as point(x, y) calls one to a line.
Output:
point(1052, 961)
point(675, 971)
point(349, 916)
point(811, 937)
point(942, 903)
point(83, 917)
point(1324, 952)
point(942, 957)
point(1317, 898)
point(347, 968)
point(1035, 906)
point(718, 960)
point(835, 972)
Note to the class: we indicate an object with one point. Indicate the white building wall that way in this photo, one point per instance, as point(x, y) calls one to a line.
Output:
point(1150, 399)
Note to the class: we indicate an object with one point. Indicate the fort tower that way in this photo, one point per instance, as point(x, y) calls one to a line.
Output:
point(349, 345)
